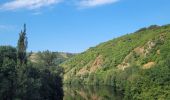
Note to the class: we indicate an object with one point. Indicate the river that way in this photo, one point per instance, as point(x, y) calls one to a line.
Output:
point(90, 93)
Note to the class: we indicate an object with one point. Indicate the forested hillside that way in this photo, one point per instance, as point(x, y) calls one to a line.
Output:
point(137, 64)
point(49, 58)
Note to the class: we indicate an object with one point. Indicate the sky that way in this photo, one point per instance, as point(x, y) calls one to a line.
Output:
point(76, 25)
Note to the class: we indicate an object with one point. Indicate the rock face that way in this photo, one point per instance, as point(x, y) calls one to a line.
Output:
point(148, 65)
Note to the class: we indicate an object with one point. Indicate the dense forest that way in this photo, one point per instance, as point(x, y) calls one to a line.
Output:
point(24, 79)
point(137, 64)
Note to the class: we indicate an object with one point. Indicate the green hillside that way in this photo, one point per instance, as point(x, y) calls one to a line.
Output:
point(137, 64)
point(49, 58)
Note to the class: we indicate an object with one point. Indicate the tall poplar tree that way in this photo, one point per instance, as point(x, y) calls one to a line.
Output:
point(22, 46)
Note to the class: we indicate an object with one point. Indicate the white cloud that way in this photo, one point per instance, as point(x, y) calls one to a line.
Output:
point(36, 4)
point(7, 27)
point(3, 27)
point(93, 3)
point(37, 13)
point(28, 4)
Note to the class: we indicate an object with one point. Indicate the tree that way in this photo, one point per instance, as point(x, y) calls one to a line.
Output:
point(21, 64)
point(22, 46)
point(7, 72)
point(48, 58)
point(51, 86)
point(20, 80)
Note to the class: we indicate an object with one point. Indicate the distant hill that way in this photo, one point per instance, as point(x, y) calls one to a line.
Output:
point(49, 58)
point(136, 63)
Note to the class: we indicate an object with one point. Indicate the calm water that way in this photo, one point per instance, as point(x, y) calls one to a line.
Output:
point(90, 93)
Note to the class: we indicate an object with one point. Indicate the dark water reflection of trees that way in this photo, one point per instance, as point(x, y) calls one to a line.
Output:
point(90, 93)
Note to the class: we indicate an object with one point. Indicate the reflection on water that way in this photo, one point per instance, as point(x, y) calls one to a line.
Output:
point(90, 93)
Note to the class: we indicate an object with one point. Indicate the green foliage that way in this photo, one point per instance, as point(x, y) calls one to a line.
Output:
point(138, 80)
point(22, 46)
point(27, 81)
point(24, 80)
point(8, 77)
point(48, 58)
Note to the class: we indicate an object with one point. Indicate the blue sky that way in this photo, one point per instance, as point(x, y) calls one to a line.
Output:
point(76, 25)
